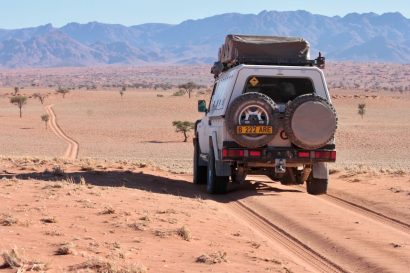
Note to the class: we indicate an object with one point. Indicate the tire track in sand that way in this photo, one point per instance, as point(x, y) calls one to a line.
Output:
point(73, 146)
point(306, 255)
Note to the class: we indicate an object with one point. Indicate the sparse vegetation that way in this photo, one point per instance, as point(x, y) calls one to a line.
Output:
point(12, 259)
point(65, 249)
point(49, 220)
point(19, 101)
point(184, 233)
point(57, 171)
point(361, 109)
point(214, 258)
point(108, 210)
point(45, 118)
point(178, 93)
point(7, 220)
point(101, 266)
point(183, 127)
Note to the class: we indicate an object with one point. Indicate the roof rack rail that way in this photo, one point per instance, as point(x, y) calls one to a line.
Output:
point(220, 67)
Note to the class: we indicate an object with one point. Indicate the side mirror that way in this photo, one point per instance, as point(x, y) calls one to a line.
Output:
point(202, 106)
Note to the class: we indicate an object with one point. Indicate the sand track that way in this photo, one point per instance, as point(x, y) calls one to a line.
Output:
point(305, 254)
point(375, 215)
point(72, 145)
point(324, 233)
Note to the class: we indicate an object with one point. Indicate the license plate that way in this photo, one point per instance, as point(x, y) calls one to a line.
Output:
point(254, 130)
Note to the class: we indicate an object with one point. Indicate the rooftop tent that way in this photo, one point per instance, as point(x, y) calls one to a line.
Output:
point(263, 50)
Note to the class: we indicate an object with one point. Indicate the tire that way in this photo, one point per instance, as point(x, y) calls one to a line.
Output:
point(255, 103)
point(316, 186)
point(238, 176)
point(215, 184)
point(310, 121)
point(200, 172)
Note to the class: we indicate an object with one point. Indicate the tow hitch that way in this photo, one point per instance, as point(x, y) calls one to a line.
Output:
point(280, 165)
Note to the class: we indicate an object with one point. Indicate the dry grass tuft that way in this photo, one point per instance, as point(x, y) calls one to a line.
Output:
point(184, 233)
point(57, 171)
point(100, 266)
point(7, 220)
point(108, 210)
point(53, 233)
point(12, 259)
point(48, 220)
point(145, 218)
point(214, 258)
point(65, 249)
point(162, 234)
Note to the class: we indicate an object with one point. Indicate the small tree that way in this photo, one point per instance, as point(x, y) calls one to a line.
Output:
point(183, 127)
point(62, 91)
point(20, 101)
point(188, 87)
point(16, 90)
point(45, 118)
point(40, 97)
point(361, 109)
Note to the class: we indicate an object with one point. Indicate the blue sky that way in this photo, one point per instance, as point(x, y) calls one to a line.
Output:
point(24, 13)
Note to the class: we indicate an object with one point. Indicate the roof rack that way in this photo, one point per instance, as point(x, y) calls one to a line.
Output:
point(220, 67)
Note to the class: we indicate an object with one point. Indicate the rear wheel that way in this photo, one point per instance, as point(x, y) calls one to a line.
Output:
point(238, 175)
point(215, 184)
point(200, 172)
point(316, 186)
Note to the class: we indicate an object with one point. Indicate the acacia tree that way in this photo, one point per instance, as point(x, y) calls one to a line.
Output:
point(361, 109)
point(16, 90)
point(62, 91)
point(19, 101)
point(188, 87)
point(183, 127)
point(45, 118)
point(40, 97)
point(123, 89)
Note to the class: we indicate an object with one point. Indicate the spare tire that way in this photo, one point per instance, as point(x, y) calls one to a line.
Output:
point(310, 121)
point(252, 109)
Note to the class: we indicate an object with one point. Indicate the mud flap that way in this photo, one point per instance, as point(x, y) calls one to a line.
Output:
point(320, 170)
point(223, 168)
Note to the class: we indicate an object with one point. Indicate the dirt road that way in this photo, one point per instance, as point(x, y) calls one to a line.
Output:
point(324, 233)
point(72, 145)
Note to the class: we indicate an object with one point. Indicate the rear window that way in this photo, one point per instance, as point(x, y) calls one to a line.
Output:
point(279, 89)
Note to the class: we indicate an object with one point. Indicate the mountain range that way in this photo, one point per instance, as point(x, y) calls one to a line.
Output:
point(354, 37)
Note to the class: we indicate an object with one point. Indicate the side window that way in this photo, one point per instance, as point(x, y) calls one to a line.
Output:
point(212, 96)
point(218, 99)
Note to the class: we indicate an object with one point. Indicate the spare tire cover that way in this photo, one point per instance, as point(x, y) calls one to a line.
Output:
point(310, 121)
point(252, 109)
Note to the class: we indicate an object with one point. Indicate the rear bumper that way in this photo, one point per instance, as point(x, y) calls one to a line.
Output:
point(270, 154)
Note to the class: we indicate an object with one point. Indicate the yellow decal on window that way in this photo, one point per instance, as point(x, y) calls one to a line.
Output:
point(254, 81)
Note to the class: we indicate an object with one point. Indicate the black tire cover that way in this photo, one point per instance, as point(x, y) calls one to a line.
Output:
point(252, 100)
point(310, 121)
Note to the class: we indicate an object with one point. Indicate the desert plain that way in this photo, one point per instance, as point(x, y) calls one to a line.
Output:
point(107, 186)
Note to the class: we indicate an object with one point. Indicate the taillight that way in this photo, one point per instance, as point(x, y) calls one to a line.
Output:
point(232, 153)
point(255, 153)
point(304, 154)
point(325, 155)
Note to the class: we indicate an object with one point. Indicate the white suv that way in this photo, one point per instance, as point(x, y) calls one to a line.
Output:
point(276, 120)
